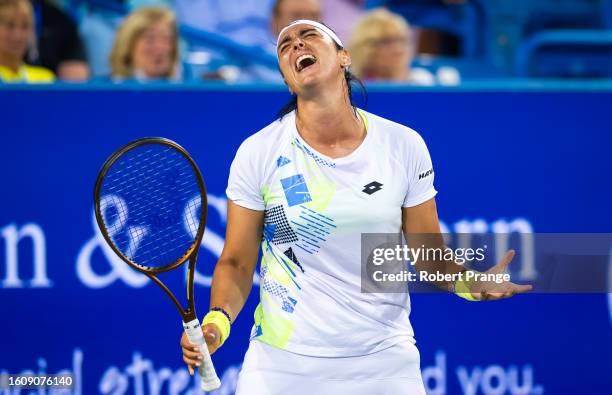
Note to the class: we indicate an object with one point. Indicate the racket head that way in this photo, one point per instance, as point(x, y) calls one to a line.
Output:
point(150, 204)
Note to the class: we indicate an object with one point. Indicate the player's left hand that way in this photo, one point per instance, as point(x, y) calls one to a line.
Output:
point(490, 290)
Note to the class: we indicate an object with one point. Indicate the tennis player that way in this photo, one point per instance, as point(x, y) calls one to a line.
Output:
point(305, 188)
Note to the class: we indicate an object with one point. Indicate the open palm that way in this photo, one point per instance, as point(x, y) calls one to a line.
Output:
point(490, 290)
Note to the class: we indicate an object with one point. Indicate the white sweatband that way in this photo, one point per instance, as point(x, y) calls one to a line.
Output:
point(319, 26)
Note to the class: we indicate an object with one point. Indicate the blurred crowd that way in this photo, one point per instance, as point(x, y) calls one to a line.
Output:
point(40, 42)
point(143, 40)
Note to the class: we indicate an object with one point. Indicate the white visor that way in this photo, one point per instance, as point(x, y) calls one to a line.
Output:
point(319, 26)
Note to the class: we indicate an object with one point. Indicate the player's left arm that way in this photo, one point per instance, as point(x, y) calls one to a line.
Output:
point(421, 228)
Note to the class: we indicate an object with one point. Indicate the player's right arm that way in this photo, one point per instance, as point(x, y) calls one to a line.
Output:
point(233, 275)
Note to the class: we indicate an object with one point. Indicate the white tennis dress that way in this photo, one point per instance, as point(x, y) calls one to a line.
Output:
point(315, 331)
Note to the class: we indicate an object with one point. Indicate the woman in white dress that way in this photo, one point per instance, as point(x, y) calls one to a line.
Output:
point(305, 188)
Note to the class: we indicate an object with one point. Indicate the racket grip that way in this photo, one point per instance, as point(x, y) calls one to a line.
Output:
point(209, 379)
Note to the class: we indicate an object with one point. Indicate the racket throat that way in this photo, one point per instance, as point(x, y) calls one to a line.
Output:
point(189, 315)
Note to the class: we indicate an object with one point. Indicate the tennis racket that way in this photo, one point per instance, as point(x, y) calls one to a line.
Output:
point(150, 205)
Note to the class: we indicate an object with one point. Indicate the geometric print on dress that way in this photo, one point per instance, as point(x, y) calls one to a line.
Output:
point(313, 229)
point(282, 161)
point(281, 231)
point(314, 156)
point(277, 291)
point(296, 190)
point(291, 255)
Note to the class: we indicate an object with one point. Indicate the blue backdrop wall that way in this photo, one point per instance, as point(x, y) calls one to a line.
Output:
point(526, 160)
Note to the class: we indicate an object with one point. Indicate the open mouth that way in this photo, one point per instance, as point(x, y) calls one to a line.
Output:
point(305, 61)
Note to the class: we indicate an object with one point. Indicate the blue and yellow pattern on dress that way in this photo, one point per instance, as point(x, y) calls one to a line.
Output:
point(296, 222)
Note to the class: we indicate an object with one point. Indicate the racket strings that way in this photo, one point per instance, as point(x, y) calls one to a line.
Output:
point(156, 210)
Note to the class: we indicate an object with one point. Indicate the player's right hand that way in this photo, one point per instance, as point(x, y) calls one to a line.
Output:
point(191, 352)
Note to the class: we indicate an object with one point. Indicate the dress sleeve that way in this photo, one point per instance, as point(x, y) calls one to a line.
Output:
point(244, 185)
point(420, 173)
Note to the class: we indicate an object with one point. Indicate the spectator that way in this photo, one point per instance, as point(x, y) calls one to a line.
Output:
point(429, 40)
point(146, 46)
point(59, 47)
point(254, 23)
point(283, 13)
point(382, 49)
point(343, 15)
point(99, 23)
point(287, 11)
point(249, 23)
point(16, 37)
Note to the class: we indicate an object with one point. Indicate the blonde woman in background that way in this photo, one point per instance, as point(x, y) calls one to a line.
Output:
point(16, 37)
point(146, 46)
point(382, 49)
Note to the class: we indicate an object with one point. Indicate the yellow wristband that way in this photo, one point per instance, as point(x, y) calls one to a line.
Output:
point(462, 289)
point(219, 319)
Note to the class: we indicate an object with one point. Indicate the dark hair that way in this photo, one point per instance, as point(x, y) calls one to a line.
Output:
point(350, 79)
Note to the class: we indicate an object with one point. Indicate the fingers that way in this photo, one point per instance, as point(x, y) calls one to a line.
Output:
point(192, 364)
point(185, 343)
point(508, 290)
point(190, 351)
point(520, 288)
point(503, 264)
point(494, 295)
point(192, 359)
point(191, 354)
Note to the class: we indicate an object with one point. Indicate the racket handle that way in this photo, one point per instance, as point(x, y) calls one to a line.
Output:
point(210, 380)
